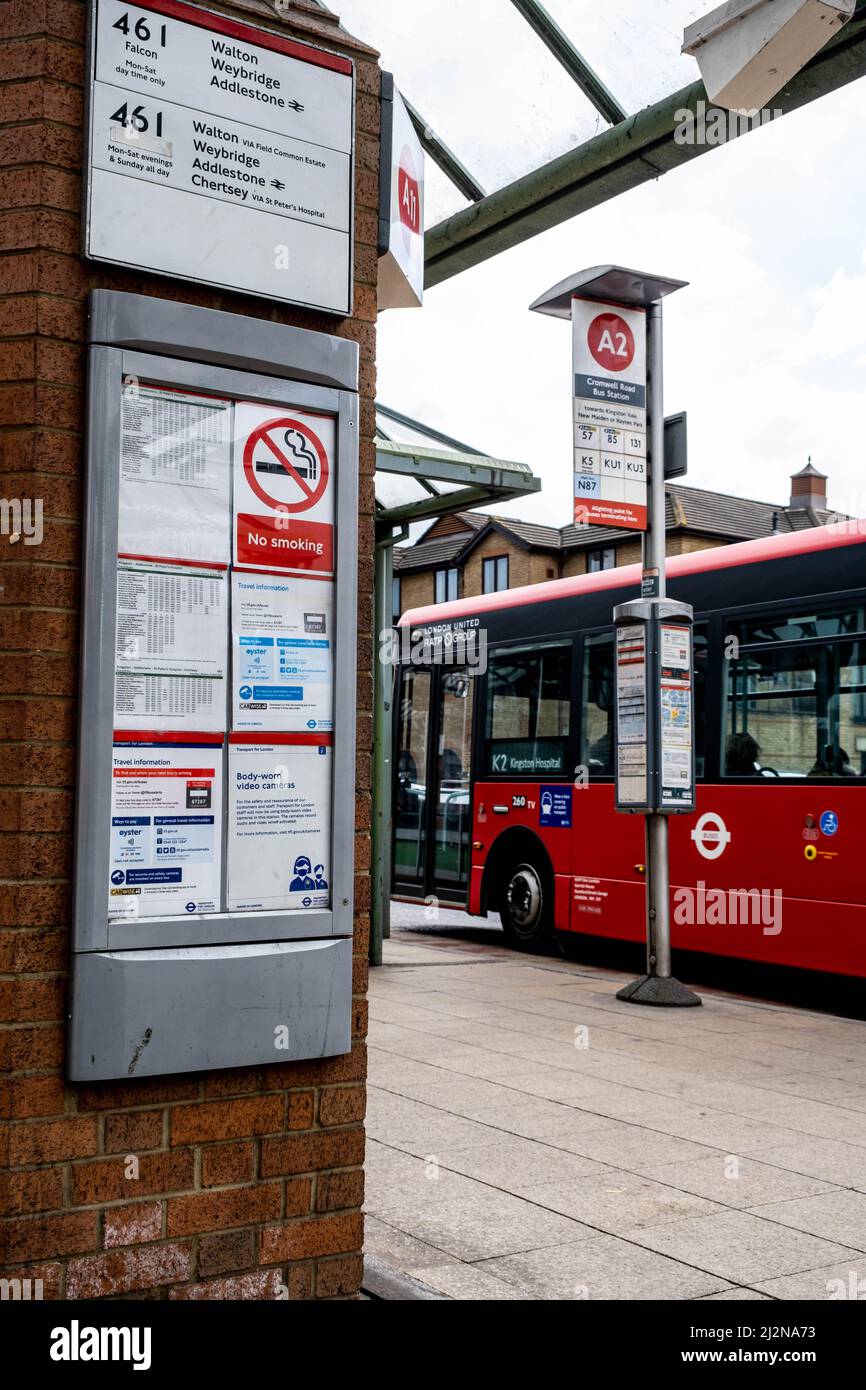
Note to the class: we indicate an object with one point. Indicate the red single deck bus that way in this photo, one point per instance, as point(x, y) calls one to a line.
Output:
point(504, 797)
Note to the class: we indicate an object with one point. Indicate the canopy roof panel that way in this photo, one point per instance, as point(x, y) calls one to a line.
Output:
point(421, 472)
point(540, 111)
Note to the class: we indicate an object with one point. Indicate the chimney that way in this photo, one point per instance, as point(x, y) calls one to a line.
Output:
point(809, 488)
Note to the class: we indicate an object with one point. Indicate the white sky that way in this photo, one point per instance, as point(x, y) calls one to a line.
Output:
point(766, 349)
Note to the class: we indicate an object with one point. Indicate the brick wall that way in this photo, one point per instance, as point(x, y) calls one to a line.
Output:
point(244, 1184)
point(416, 589)
point(524, 566)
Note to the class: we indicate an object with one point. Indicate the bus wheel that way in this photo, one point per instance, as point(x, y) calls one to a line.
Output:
point(526, 908)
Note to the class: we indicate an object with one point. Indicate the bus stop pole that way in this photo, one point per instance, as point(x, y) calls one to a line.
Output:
point(383, 694)
point(658, 986)
point(657, 868)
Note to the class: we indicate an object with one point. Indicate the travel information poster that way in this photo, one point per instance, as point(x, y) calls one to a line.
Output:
point(166, 829)
point(223, 671)
point(282, 653)
point(279, 827)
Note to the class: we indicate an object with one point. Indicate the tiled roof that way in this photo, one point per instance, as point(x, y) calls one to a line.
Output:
point(529, 533)
point(431, 554)
point(692, 509)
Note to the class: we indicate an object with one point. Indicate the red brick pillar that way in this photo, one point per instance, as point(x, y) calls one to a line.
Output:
point(244, 1184)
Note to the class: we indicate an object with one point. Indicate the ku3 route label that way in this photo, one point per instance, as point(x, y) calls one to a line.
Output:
point(219, 153)
point(610, 455)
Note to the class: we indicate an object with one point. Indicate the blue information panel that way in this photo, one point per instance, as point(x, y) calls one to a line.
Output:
point(554, 807)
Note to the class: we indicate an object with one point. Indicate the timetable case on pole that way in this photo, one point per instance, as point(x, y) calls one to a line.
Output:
point(654, 764)
point(214, 865)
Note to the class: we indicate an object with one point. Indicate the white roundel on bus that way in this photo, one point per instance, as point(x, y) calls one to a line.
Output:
point(711, 835)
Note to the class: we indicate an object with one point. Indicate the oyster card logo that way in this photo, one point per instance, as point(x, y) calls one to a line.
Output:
point(283, 498)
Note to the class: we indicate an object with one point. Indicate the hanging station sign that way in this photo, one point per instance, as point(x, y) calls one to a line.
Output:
point(610, 435)
point(401, 206)
point(219, 153)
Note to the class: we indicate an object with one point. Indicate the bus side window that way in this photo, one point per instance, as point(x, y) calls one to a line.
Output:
point(700, 639)
point(598, 702)
point(796, 699)
point(596, 724)
point(528, 708)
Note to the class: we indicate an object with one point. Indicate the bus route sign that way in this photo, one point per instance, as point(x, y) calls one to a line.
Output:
point(610, 414)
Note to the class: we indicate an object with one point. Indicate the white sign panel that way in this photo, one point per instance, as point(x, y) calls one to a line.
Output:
point(166, 830)
point(279, 854)
point(675, 712)
point(284, 489)
point(282, 631)
point(610, 470)
point(401, 267)
point(631, 715)
point(174, 475)
point(170, 649)
point(220, 153)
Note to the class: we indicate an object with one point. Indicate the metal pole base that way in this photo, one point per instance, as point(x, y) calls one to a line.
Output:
point(663, 991)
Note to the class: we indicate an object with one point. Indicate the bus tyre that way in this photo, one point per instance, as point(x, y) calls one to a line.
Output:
point(526, 907)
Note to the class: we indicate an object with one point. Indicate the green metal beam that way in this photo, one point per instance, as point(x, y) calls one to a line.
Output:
point(565, 52)
point(637, 150)
point(443, 155)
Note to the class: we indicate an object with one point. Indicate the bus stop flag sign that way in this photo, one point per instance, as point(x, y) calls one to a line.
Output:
point(610, 434)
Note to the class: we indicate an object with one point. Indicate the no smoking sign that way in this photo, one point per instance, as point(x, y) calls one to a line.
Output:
point(286, 465)
point(283, 490)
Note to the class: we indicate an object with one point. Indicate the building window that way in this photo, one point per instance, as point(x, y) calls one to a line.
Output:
point(395, 598)
point(445, 585)
point(795, 698)
point(601, 560)
point(495, 574)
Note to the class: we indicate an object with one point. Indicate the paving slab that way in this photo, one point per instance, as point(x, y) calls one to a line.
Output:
point(838, 1215)
point(740, 1246)
point(400, 1249)
point(469, 1219)
point(615, 1201)
point(603, 1268)
point(734, 1181)
point(532, 1137)
point(839, 1282)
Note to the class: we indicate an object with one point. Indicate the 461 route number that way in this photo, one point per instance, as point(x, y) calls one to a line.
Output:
point(136, 119)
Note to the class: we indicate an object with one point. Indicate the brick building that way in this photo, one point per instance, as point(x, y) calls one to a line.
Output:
point(242, 1184)
point(469, 553)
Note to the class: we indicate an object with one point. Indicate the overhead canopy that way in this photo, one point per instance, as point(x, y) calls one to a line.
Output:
point(531, 114)
point(417, 478)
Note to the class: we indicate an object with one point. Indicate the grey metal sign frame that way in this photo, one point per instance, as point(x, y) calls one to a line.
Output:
point(250, 360)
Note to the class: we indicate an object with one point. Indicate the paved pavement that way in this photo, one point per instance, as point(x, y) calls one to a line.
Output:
point(530, 1137)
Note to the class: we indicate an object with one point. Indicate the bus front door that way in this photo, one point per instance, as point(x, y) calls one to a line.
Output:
point(432, 793)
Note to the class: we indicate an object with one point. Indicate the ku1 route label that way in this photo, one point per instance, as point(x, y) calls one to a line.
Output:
point(283, 491)
point(610, 453)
